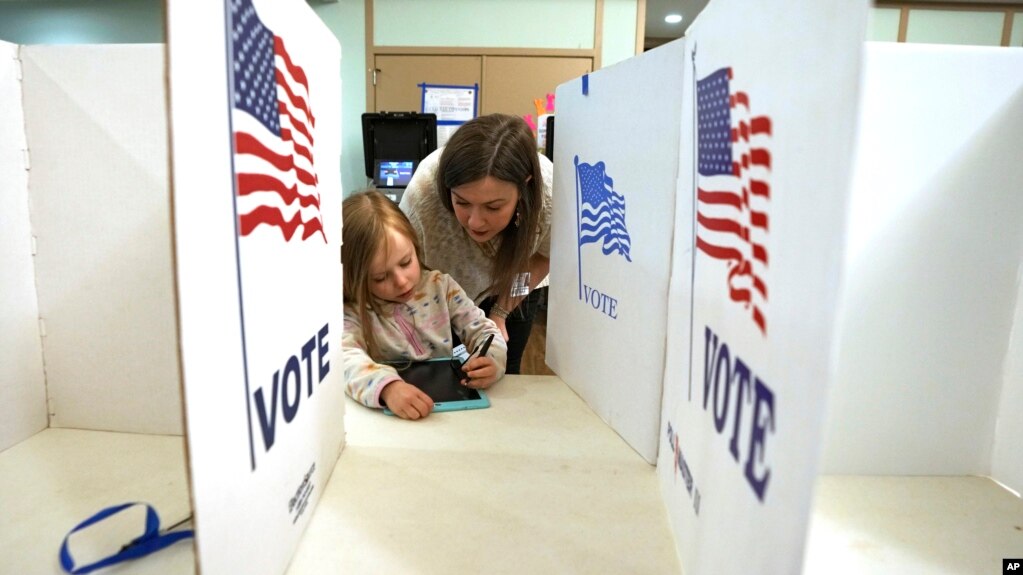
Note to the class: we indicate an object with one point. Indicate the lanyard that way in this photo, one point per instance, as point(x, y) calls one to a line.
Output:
point(150, 541)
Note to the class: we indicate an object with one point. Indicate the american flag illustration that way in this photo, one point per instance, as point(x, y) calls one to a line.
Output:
point(602, 210)
point(734, 163)
point(273, 131)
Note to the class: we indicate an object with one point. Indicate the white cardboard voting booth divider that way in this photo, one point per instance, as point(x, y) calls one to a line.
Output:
point(90, 164)
point(104, 268)
point(23, 393)
point(926, 358)
point(752, 203)
point(617, 162)
point(255, 327)
point(928, 367)
point(90, 340)
point(763, 186)
point(255, 129)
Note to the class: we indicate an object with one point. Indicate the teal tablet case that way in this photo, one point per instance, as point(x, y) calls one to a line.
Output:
point(440, 379)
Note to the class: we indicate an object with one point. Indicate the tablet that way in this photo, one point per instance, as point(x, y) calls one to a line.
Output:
point(440, 379)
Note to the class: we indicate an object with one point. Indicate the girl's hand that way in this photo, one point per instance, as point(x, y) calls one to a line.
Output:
point(499, 322)
point(406, 400)
point(482, 372)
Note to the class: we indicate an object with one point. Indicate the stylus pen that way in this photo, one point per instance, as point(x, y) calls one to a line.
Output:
point(486, 345)
point(482, 349)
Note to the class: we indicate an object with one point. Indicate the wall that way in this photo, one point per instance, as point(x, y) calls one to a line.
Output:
point(619, 32)
point(524, 23)
point(883, 24)
point(964, 24)
point(955, 27)
point(82, 21)
point(346, 19)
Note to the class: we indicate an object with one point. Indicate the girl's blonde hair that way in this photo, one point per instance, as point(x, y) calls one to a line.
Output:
point(366, 218)
point(502, 147)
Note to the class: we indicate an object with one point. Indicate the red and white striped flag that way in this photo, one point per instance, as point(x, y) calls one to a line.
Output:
point(733, 190)
point(273, 126)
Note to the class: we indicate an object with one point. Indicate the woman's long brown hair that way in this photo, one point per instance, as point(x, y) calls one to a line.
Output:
point(502, 147)
point(366, 218)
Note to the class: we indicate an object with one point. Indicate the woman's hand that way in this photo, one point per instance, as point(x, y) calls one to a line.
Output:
point(406, 400)
point(499, 322)
point(482, 372)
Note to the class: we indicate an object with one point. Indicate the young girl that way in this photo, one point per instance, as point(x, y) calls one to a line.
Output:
point(396, 312)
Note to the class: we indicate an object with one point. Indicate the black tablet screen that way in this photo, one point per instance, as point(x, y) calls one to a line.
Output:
point(439, 379)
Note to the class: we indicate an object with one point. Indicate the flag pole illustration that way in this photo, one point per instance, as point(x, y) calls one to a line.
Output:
point(600, 213)
point(578, 228)
point(273, 125)
point(733, 191)
point(692, 222)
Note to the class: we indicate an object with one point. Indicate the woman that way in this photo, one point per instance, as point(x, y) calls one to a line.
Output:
point(481, 206)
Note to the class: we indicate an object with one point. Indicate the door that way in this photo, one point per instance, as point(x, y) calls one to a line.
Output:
point(511, 83)
point(398, 78)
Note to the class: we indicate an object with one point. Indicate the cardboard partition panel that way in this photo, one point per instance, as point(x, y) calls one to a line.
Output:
point(22, 383)
point(255, 117)
point(928, 382)
point(95, 120)
point(1006, 464)
point(616, 157)
point(87, 292)
point(766, 144)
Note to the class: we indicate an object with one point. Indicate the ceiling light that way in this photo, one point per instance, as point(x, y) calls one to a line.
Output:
point(673, 18)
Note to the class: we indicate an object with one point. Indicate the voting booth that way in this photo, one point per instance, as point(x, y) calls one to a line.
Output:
point(755, 281)
point(799, 261)
point(785, 272)
point(92, 388)
point(740, 207)
point(172, 288)
point(922, 437)
point(257, 240)
point(612, 238)
point(928, 362)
